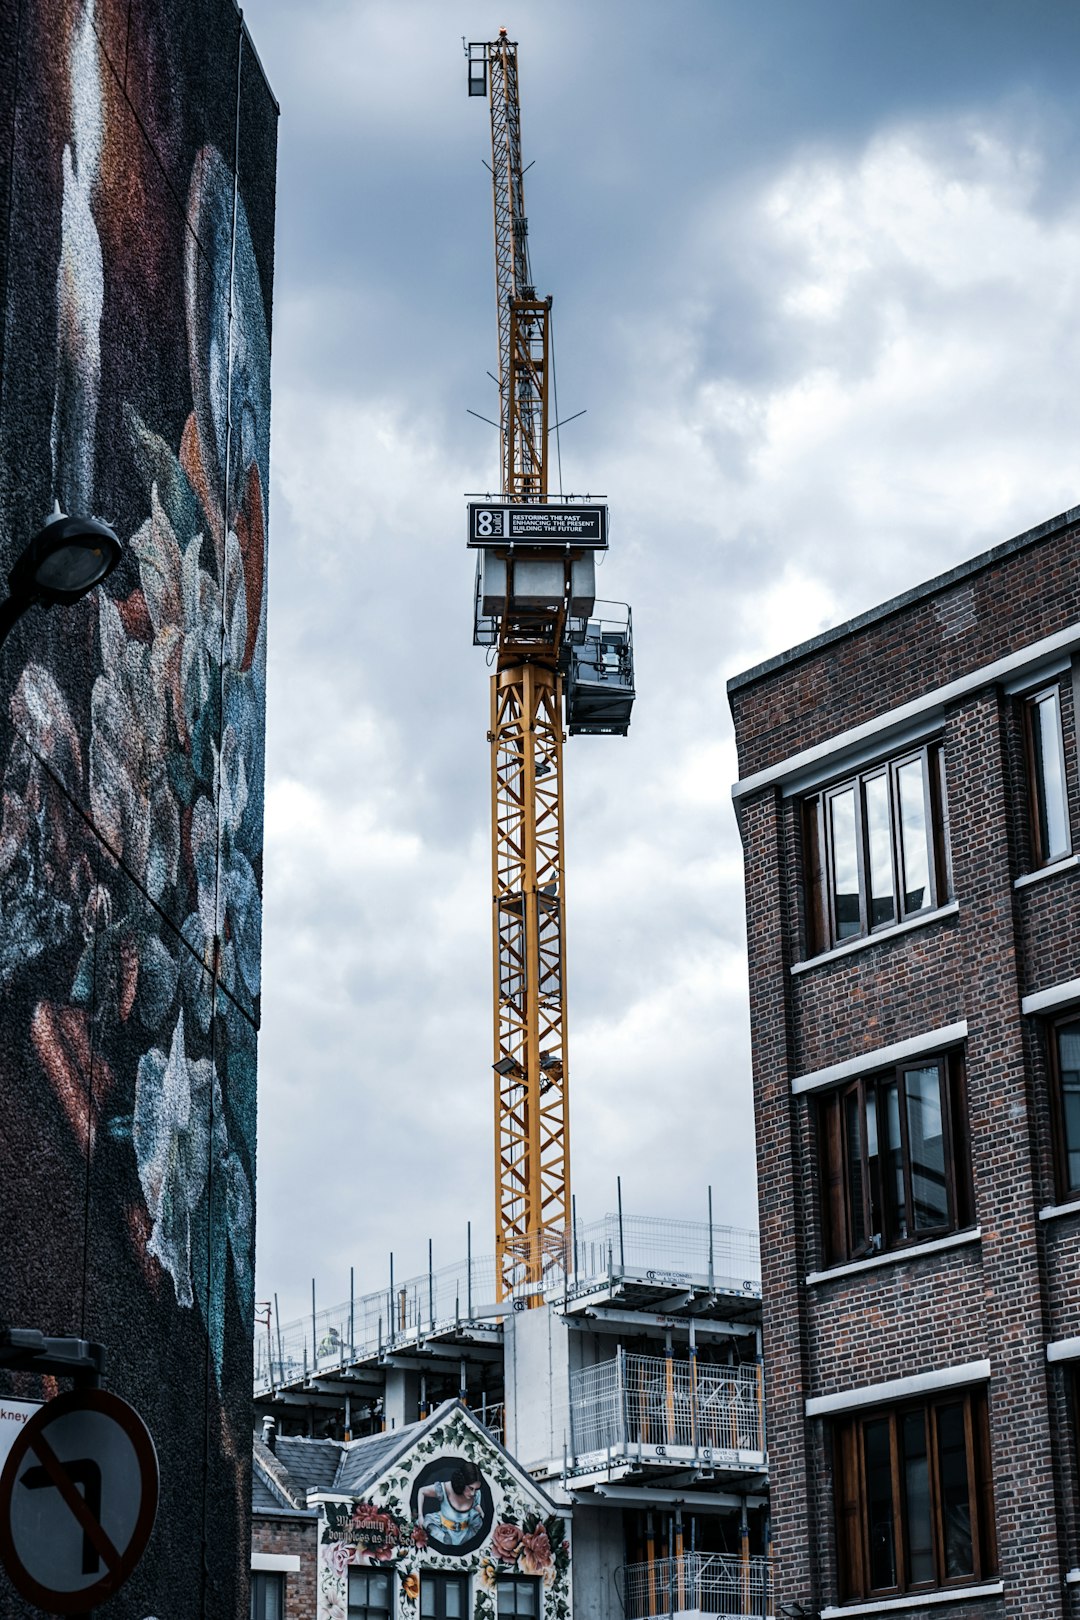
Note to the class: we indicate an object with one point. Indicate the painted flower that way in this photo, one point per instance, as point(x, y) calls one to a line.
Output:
point(411, 1587)
point(535, 1552)
point(176, 1099)
point(506, 1540)
point(339, 1555)
point(419, 1536)
point(487, 1574)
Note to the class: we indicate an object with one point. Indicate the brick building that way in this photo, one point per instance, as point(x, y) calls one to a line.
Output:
point(909, 807)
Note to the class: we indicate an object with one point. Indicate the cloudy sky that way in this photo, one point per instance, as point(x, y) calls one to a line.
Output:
point(816, 270)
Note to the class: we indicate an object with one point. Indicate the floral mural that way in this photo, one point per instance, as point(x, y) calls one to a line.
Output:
point(523, 1533)
point(136, 348)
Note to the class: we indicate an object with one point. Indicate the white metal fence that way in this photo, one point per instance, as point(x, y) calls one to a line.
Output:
point(705, 1583)
point(659, 1401)
point(667, 1252)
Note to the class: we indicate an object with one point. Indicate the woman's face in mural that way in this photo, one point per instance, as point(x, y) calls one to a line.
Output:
point(452, 1502)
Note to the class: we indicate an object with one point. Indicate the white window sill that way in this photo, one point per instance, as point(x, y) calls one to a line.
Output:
point(1073, 1578)
point(955, 1240)
point(1052, 1211)
point(921, 921)
point(917, 1600)
point(1047, 871)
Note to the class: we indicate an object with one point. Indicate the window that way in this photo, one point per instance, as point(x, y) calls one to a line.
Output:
point(444, 1597)
point(914, 1507)
point(1046, 776)
point(369, 1594)
point(267, 1596)
point(517, 1595)
point(894, 1158)
point(1065, 1081)
point(876, 848)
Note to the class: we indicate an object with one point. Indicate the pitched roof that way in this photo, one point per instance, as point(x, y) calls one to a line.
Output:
point(349, 1467)
point(273, 1488)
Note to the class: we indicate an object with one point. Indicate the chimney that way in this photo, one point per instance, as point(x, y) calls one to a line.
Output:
point(269, 1434)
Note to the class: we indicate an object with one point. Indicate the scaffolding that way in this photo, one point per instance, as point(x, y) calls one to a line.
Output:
point(697, 1583)
point(617, 1251)
point(634, 1402)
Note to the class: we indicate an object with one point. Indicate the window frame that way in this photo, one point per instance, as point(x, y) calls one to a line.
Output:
point(841, 1204)
point(367, 1609)
point(517, 1581)
point(824, 927)
point(441, 1579)
point(264, 1582)
point(1065, 1188)
point(1036, 785)
point(852, 1505)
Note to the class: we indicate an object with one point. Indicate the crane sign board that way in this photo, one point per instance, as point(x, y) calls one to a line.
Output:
point(502, 523)
point(78, 1496)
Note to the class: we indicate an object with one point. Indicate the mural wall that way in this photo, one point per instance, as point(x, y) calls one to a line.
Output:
point(452, 1504)
point(137, 165)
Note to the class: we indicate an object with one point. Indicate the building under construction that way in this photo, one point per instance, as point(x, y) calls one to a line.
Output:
point(631, 1392)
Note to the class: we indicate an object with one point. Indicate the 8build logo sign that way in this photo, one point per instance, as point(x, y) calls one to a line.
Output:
point(505, 523)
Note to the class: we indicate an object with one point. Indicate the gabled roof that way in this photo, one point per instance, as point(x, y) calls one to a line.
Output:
point(298, 1465)
point(273, 1487)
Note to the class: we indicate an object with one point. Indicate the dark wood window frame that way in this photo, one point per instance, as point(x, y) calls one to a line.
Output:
point(520, 1583)
point(865, 1209)
point(826, 927)
point(363, 1578)
point(436, 1583)
point(875, 1523)
point(1042, 853)
point(1068, 1185)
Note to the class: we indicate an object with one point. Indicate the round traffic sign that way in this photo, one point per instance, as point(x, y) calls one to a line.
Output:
point(78, 1495)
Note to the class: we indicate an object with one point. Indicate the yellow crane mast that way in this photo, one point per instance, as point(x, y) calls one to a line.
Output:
point(535, 601)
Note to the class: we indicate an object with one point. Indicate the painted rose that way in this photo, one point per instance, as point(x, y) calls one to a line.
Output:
point(487, 1574)
point(535, 1552)
point(506, 1542)
point(339, 1555)
point(419, 1536)
point(411, 1587)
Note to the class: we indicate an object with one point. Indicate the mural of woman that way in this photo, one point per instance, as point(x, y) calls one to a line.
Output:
point(452, 1510)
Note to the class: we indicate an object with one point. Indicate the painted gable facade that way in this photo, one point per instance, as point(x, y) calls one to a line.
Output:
point(447, 1502)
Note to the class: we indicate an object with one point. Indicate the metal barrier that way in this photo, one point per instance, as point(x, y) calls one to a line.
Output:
point(668, 1253)
point(697, 1583)
point(658, 1401)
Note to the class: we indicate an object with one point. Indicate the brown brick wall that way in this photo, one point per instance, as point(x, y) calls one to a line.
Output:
point(300, 1538)
point(1004, 1295)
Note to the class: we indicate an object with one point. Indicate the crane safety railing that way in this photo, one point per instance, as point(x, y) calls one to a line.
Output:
point(666, 1253)
point(633, 1400)
point(697, 1583)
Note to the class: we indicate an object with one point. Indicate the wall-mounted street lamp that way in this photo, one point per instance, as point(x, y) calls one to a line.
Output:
point(63, 561)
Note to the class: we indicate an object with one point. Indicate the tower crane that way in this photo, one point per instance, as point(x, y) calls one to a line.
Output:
point(554, 658)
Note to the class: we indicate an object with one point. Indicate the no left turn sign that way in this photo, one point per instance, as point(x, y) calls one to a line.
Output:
point(78, 1495)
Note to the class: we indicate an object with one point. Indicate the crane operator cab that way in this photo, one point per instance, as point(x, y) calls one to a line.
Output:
point(599, 673)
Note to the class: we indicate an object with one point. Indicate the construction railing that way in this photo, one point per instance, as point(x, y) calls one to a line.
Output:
point(697, 1583)
point(660, 1401)
point(667, 1253)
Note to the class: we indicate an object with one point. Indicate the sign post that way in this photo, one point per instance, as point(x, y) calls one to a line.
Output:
point(78, 1496)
